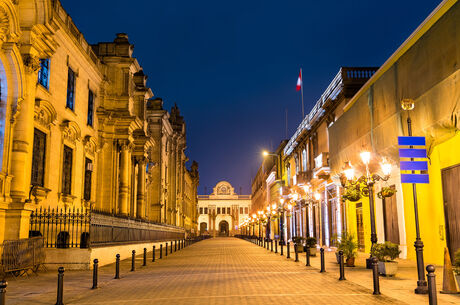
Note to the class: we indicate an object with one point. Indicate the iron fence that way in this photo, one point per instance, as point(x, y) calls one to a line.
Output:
point(22, 254)
point(84, 228)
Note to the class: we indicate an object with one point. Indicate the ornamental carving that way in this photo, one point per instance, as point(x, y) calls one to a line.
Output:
point(70, 131)
point(45, 114)
point(31, 63)
point(90, 145)
point(4, 25)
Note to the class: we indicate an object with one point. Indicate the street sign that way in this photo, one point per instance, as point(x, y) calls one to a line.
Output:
point(411, 165)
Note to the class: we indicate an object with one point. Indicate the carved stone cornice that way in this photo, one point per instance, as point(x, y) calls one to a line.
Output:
point(31, 63)
point(70, 131)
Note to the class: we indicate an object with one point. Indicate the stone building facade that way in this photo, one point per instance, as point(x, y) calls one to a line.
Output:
point(222, 212)
point(80, 128)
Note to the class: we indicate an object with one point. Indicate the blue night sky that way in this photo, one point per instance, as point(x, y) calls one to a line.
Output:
point(232, 66)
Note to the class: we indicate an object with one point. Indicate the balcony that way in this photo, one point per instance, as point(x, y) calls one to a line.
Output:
point(322, 169)
point(303, 178)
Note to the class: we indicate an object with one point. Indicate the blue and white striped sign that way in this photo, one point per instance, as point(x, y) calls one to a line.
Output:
point(411, 165)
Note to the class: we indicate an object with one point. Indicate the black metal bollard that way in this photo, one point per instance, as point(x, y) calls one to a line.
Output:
point(431, 279)
point(166, 249)
point(161, 251)
point(307, 257)
point(179, 244)
point(117, 266)
point(271, 245)
point(323, 268)
point(133, 260)
point(296, 253)
point(95, 267)
point(375, 275)
point(153, 254)
point(60, 286)
point(3, 285)
point(144, 263)
point(281, 244)
point(342, 266)
point(170, 248)
point(276, 246)
point(175, 245)
point(288, 250)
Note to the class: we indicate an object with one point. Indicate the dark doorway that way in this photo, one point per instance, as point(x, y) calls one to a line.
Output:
point(450, 183)
point(203, 227)
point(223, 228)
point(390, 218)
point(62, 240)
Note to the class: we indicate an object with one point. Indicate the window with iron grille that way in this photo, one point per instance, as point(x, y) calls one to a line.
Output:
point(246, 210)
point(228, 211)
point(206, 210)
point(90, 117)
point(44, 72)
point(70, 89)
point(67, 170)
point(201, 210)
point(218, 210)
point(88, 173)
point(241, 210)
point(38, 158)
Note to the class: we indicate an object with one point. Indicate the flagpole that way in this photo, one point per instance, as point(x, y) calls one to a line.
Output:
point(301, 92)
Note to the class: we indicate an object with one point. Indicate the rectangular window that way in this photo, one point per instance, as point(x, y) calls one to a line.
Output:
point(241, 210)
point(88, 173)
point(201, 210)
point(67, 170)
point(246, 210)
point(44, 72)
point(206, 210)
point(38, 158)
point(70, 89)
point(228, 211)
point(90, 117)
point(218, 210)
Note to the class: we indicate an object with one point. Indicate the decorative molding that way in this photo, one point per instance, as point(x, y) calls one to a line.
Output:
point(45, 114)
point(90, 144)
point(31, 63)
point(70, 131)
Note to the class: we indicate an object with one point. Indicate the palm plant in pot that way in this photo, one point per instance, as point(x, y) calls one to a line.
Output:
point(386, 253)
point(298, 243)
point(310, 244)
point(349, 247)
point(457, 266)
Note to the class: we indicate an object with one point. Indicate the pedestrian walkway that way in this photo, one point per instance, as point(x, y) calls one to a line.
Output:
point(214, 271)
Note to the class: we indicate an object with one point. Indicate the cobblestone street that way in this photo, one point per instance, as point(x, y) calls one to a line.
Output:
point(214, 271)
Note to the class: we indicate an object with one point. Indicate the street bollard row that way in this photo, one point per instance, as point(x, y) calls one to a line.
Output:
point(431, 277)
point(3, 285)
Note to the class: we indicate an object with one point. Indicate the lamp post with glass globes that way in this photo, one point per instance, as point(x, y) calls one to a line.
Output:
point(310, 199)
point(349, 181)
point(253, 222)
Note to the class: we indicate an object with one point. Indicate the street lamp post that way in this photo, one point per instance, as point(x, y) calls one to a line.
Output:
point(348, 181)
point(422, 288)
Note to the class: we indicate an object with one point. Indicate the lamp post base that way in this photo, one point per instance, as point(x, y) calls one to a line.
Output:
point(422, 288)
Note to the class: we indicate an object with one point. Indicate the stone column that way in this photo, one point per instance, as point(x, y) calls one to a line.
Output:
point(124, 180)
point(141, 187)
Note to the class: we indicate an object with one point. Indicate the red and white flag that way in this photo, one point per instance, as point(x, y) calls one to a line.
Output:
point(299, 81)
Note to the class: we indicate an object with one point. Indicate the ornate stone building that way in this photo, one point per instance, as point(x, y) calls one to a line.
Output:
point(221, 213)
point(80, 129)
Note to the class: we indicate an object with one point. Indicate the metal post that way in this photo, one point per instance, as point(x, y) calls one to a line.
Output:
point(170, 250)
point(432, 297)
point(276, 246)
point(161, 251)
point(271, 245)
point(418, 244)
point(166, 249)
point(95, 267)
point(153, 254)
point(133, 258)
point(342, 266)
point(144, 263)
point(281, 244)
point(117, 266)
point(288, 249)
point(375, 275)
point(307, 256)
point(323, 268)
point(296, 253)
point(175, 245)
point(3, 285)
point(60, 286)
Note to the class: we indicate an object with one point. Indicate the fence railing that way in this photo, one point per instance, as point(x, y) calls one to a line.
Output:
point(22, 254)
point(70, 228)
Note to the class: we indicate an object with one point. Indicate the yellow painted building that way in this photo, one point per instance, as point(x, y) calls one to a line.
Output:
point(425, 68)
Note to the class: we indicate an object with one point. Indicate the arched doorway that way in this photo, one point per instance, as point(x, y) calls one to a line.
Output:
point(203, 227)
point(223, 228)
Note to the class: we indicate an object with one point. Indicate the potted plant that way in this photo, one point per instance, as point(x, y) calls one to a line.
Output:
point(457, 266)
point(310, 243)
point(386, 253)
point(386, 192)
point(349, 247)
point(352, 193)
point(298, 243)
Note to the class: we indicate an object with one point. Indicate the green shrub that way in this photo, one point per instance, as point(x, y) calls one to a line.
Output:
point(457, 261)
point(298, 239)
point(385, 252)
point(310, 242)
point(348, 245)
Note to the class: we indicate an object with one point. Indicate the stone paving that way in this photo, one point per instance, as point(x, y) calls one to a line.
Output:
point(214, 271)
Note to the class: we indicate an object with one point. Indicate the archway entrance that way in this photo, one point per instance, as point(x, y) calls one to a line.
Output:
point(203, 227)
point(223, 228)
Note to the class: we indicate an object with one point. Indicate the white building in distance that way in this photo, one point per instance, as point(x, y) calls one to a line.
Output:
point(221, 212)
